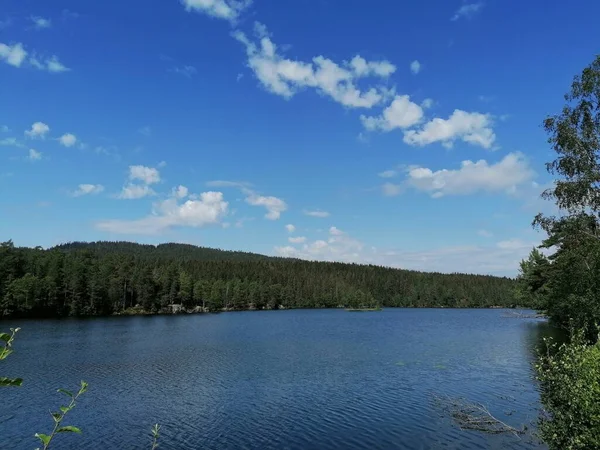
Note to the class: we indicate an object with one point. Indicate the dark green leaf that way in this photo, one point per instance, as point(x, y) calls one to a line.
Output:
point(11, 381)
point(5, 337)
point(69, 429)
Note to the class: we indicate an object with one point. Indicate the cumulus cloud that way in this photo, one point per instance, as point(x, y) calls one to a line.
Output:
point(415, 67)
point(274, 206)
point(87, 189)
point(503, 176)
point(317, 213)
point(68, 140)
point(148, 175)
point(467, 10)
point(473, 128)
point(180, 192)
point(286, 77)
point(38, 130)
point(34, 155)
point(297, 240)
point(134, 191)
point(208, 208)
point(401, 113)
point(221, 9)
point(40, 23)
point(13, 55)
point(290, 228)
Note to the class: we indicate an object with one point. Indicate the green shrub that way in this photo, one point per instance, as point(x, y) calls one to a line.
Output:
point(569, 378)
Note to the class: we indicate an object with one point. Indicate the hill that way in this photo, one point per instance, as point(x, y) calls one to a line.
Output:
point(101, 278)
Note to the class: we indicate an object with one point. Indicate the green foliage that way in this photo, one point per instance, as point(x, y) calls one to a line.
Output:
point(532, 281)
point(155, 435)
point(113, 277)
point(59, 416)
point(570, 389)
point(571, 289)
point(6, 341)
point(567, 284)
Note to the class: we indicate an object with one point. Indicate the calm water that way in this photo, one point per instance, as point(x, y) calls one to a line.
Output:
point(324, 379)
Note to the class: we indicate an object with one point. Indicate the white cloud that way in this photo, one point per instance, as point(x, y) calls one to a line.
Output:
point(208, 208)
point(467, 10)
point(180, 192)
point(38, 130)
point(87, 189)
point(415, 67)
point(68, 140)
point(186, 71)
point(290, 228)
point(387, 174)
point(401, 113)
point(16, 55)
point(427, 103)
point(13, 55)
point(10, 142)
point(54, 65)
point(134, 191)
point(485, 233)
point(51, 64)
point(391, 189)
point(334, 231)
point(297, 240)
point(364, 68)
point(317, 213)
point(501, 258)
point(148, 175)
point(504, 176)
point(40, 23)
point(4, 129)
point(473, 128)
point(275, 206)
point(34, 155)
point(221, 9)
point(286, 77)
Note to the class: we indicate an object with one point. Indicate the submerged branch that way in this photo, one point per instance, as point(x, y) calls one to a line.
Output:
point(473, 416)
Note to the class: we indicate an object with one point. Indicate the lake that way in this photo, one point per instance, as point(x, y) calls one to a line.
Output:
point(298, 379)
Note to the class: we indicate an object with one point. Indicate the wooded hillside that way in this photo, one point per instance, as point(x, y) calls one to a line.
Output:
point(103, 278)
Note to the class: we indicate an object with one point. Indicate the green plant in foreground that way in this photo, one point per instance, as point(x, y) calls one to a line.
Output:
point(569, 378)
point(7, 340)
point(155, 436)
point(58, 417)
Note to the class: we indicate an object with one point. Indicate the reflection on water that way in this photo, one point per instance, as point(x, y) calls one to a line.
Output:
point(322, 379)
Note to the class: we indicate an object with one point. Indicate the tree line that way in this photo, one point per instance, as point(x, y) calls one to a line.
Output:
point(101, 278)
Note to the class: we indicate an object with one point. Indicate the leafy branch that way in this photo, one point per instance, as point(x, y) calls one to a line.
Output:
point(58, 417)
point(6, 349)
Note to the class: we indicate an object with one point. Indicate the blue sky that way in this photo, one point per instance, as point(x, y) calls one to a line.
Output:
point(399, 133)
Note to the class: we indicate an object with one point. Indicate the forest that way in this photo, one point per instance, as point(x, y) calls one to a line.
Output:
point(103, 278)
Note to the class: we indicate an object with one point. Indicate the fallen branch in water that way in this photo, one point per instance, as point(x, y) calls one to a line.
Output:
point(474, 416)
